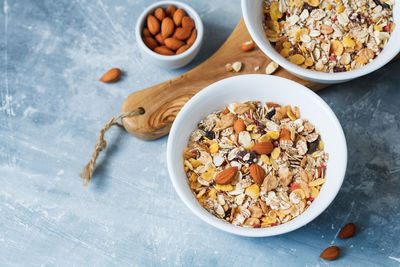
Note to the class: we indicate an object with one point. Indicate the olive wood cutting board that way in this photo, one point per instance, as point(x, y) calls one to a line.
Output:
point(163, 101)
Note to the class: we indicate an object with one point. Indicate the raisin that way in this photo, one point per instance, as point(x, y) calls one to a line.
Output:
point(308, 7)
point(270, 114)
point(312, 147)
point(338, 69)
point(228, 214)
point(249, 157)
point(283, 17)
point(210, 135)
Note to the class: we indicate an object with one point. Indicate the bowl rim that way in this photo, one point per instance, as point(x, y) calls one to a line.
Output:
point(312, 74)
point(189, 10)
point(218, 223)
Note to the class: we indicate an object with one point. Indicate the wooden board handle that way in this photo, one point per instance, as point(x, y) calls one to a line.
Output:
point(162, 102)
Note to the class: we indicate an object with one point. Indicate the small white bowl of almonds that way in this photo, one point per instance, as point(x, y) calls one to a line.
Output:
point(325, 41)
point(256, 155)
point(169, 34)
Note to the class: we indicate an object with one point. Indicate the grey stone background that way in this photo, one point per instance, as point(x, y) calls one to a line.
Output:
point(52, 106)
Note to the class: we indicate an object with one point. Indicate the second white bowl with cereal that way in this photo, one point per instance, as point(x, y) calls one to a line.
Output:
point(220, 166)
point(325, 41)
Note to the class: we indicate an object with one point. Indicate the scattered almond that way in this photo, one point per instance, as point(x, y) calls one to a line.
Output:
point(159, 14)
point(239, 126)
point(192, 38)
point(150, 42)
point(178, 15)
point(257, 173)
point(226, 176)
point(111, 76)
point(163, 50)
point(170, 11)
point(263, 148)
point(182, 49)
point(248, 46)
point(167, 27)
point(173, 43)
point(153, 24)
point(330, 253)
point(347, 231)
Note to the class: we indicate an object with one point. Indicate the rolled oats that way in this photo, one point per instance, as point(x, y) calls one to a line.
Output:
point(294, 171)
point(329, 35)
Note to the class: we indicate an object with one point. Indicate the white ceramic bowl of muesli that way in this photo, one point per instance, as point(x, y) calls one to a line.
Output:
point(264, 88)
point(254, 18)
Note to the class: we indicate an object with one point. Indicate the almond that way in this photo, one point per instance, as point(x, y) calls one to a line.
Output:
point(248, 46)
point(178, 15)
point(285, 134)
point(150, 42)
point(182, 49)
point(192, 37)
point(257, 173)
point(163, 50)
point(159, 39)
point(181, 33)
point(153, 24)
point(173, 43)
point(226, 176)
point(239, 126)
point(110, 76)
point(146, 32)
point(264, 148)
point(331, 253)
point(170, 11)
point(187, 22)
point(347, 231)
point(159, 14)
point(167, 27)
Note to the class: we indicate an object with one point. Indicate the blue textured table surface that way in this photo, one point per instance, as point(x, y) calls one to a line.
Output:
point(52, 107)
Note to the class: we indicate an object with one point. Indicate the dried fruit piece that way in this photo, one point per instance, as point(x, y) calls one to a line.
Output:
point(163, 50)
point(226, 176)
point(347, 231)
point(330, 253)
point(159, 14)
point(167, 27)
point(271, 67)
point(173, 43)
point(257, 173)
point(248, 46)
point(263, 148)
point(297, 59)
point(285, 134)
point(153, 24)
point(239, 126)
point(111, 76)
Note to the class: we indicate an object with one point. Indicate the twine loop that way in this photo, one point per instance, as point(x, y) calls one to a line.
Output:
point(101, 144)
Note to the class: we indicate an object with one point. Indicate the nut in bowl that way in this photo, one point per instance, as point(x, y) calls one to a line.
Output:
point(262, 88)
point(325, 41)
point(169, 34)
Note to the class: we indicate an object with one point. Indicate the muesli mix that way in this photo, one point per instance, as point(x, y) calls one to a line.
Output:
point(255, 164)
point(329, 35)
